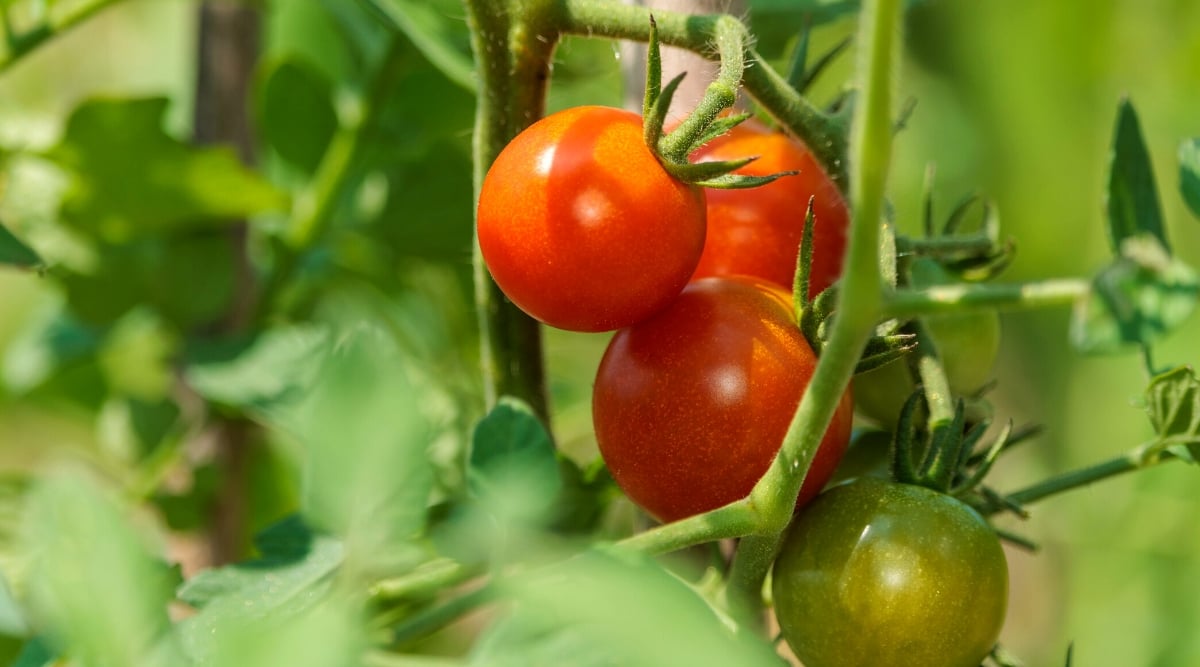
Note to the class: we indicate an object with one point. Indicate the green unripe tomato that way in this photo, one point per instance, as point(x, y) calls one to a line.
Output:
point(967, 343)
point(878, 573)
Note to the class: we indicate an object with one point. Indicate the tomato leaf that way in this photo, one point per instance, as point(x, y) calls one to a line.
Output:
point(1133, 206)
point(1189, 174)
point(35, 653)
point(298, 138)
point(15, 253)
point(512, 467)
point(367, 479)
point(611, 606)
point(131, 178)
point(1138, 298)
point(1173, 404)
point(110, 607)
point(258, 608)
point(293, 559)
point(257, 372)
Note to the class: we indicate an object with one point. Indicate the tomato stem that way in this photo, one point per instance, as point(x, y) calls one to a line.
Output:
point(825, 135)
point(513, 43)
point(959, 298)
point(20, 44)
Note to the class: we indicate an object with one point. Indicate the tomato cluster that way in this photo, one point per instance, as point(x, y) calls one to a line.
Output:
point(582, 227)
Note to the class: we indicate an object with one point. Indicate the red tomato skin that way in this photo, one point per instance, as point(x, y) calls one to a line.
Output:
point(757, 231)
point(691, 406)
point(582, 228)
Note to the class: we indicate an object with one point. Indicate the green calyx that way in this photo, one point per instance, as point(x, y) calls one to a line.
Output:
point(706, 121)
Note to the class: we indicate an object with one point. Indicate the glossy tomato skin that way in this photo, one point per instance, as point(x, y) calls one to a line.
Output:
point(582, 228)
point(691, 405)
point(878, 573)
point(757, 231)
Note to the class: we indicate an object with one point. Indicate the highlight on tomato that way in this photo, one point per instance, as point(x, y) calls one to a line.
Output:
point(691, 406)
point(580, 225)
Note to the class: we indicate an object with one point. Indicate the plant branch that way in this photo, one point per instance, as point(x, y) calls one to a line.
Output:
point(906, 303)
point(21, 44)
point(1138, 458)
point(426, 579)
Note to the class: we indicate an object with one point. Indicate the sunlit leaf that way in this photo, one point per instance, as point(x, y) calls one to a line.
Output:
point(1133, 206)
point(1173, 404)
point(1138, 298)
point(258, 371)
point(131, 178)
point(621, 609)
point(136, 356)
point(367, 478)
point(95, 590)
point(1189, 174)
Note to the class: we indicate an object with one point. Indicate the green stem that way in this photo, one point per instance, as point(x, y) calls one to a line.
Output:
point(425, 580)
point(906, 303)
point(939, 246)
point(825, 135)
point(1138, 458)
point(435, 618)
point(21, 44)
point(733, 520)
point(743, 594)
point(513, 44)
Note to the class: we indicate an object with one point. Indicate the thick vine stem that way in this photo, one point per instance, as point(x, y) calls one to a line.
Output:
point(513, 44)
point(825, 135)
point(20, 44)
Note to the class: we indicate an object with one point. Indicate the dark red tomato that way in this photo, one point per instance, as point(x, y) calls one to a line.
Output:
point(877, 573)
point(757, 231)
point(580, 225)
point(691, 405)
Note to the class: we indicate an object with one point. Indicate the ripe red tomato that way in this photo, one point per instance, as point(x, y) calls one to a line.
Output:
point(580, 225)
point(757, 231)
point(878, 573)
point(691, 405)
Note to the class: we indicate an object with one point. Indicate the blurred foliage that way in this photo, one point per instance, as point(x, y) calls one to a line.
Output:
point(119, 269)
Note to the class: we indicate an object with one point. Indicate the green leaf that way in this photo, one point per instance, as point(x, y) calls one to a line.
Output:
point(367, 478)
point(15, 253)
point(35, 653)
point(299, 138)
point(1137, 299)
point(294, 561)
point(12, 618)
point(512, 467)
point(278, 605)
point(257, 372)
point(329, 633)
point(189, 279)
point(442, 41)
point(1189, 174)
point(51, 341)
point(1173, 404)
point(130, 178)
point(612, 607)
point(1133, 206)
point(94, 588)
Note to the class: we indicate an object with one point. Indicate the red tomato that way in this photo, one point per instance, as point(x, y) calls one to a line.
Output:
point(580, 225)
point(691, 405)
point(757, 231)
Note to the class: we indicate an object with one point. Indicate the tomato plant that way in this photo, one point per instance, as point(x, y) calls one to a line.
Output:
point(879, 573)
point(580, 225)
point(757, 231)
point(690, 406)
